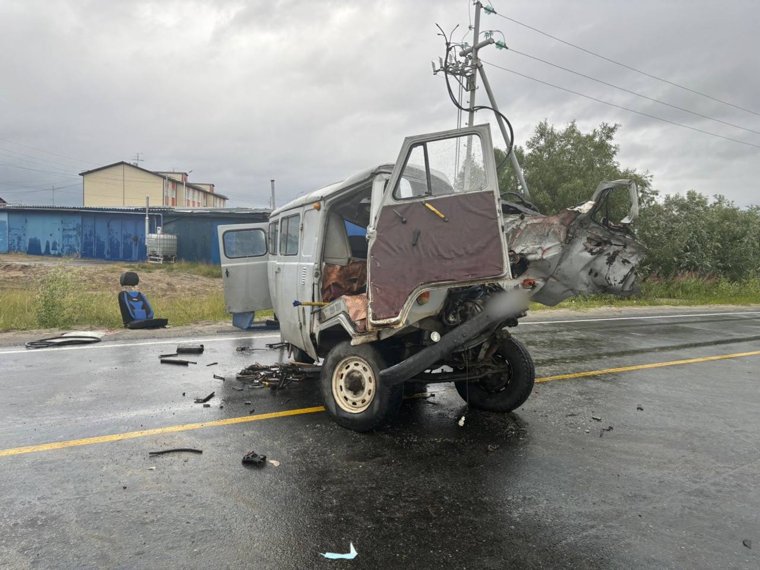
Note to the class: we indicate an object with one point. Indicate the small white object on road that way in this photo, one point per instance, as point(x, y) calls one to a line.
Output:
point(348, 556)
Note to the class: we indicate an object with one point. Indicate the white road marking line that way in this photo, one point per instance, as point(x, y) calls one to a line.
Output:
point(639, 318)
point(146, 343)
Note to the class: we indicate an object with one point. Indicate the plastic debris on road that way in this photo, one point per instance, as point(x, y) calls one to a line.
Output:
point(348, 556)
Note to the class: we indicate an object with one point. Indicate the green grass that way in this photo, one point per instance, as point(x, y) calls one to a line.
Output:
point(59, 301)
point(686, 290)
point(192, 268)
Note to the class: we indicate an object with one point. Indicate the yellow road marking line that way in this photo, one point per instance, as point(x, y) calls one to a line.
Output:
point(316, 409)
point(646, 366)
point(156, 431)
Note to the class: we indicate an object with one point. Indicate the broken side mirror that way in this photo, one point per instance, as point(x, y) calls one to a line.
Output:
point(615, 204)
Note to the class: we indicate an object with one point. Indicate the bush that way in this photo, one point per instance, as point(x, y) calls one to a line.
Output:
point(55, 300)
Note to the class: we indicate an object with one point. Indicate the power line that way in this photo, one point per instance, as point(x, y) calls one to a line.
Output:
point(605, 58)
point(695, 113)
point(621, 107)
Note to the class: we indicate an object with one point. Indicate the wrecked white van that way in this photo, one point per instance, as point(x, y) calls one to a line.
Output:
point(403, 273)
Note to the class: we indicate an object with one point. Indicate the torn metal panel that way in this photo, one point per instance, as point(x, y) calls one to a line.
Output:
point(579, 250)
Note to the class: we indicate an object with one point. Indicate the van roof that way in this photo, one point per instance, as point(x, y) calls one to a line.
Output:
point(335, 188)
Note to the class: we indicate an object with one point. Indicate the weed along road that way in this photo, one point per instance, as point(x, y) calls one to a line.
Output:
point(638, 448)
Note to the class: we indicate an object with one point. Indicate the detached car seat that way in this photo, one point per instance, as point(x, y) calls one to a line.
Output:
point(136, 312)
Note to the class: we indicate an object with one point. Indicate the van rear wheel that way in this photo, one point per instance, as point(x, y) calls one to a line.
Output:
point(352, 390)
point(505, 391)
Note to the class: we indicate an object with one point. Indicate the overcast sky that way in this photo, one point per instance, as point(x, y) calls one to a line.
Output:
point(308, 92)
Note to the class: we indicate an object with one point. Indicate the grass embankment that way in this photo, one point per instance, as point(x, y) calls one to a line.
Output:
point(69, 297)
point(66, 297)
point(687, 290)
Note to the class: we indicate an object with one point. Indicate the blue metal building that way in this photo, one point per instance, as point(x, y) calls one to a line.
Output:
point(116, 234)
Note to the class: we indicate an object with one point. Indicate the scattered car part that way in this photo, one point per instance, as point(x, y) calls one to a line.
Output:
point(608, 428)
point(217, 377)
point(67, 339)
point(204, 400)
point(175, 450)
point(190, 349)
point(136, 312)
point(211, 364)
point(178, 361)
point(253, 458)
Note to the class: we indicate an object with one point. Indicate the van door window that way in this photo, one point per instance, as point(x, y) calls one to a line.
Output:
point(244, 243)
point(441, 167)
point(289, 231)
point(273, 238)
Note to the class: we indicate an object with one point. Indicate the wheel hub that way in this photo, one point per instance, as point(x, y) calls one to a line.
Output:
point(354, 384)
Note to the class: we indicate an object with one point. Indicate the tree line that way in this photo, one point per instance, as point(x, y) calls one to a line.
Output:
point(684, 233)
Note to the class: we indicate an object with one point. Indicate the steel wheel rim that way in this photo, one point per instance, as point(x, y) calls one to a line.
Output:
point(354, 385)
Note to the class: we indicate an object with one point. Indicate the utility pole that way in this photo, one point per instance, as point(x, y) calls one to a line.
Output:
point(471, 69)
point(271, 200)
point(147, 222)
point(53, 190)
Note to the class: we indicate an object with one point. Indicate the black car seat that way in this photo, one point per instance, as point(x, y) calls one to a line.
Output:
point(136, 311)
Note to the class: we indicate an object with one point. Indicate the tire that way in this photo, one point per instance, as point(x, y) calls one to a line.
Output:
point(351, 388)
point(502, 392)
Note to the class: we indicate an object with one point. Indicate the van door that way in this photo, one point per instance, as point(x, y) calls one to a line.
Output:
point(439, 220)
point(244, 256)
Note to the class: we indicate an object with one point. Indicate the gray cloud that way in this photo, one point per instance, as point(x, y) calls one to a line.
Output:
point(308, 92)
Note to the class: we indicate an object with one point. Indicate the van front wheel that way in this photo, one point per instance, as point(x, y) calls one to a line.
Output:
point(506, 391)
point(352, 390)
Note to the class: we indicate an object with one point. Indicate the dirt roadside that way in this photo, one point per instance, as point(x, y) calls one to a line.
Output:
point(24, 271)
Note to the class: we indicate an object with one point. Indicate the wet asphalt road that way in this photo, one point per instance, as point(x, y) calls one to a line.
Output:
point(673, 485)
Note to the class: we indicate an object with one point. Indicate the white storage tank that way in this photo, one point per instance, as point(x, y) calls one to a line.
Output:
point(162, 248)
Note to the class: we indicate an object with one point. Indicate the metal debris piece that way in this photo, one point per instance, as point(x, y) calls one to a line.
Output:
point(204, 400)
point(608, 428)
point(639, 408)
point(247, 403)
point(596, 418)
point(252, 410)
point(175, 450)
point(747, 542)
point(278, 345)
point(178, 361)
point(211, 364)
point(248, 348)
point(253, 458)
point(276, 376)
point(274, 462)
point(348, 556)
point(190, 349)
point(206, 405)
point(152, 468)
point(217, 377)
point(167, 355)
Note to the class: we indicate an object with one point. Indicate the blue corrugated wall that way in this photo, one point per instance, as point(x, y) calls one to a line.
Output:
point(3, 232)
point(116, 237)
point(112, 235)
